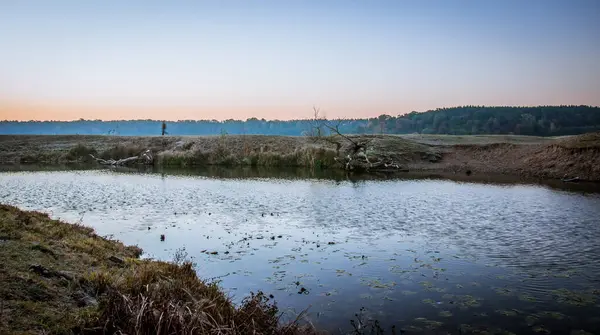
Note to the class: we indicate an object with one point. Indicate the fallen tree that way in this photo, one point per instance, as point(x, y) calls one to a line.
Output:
point(144, 158)
point(352, 153)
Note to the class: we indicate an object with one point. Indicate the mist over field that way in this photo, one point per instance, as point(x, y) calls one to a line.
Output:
point(468, 120)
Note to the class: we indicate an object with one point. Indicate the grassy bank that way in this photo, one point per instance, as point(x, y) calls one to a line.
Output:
point(528, 156)
point(225, 150)
point(61, 278)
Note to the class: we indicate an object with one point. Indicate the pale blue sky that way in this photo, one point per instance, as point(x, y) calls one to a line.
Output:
point(276, 59)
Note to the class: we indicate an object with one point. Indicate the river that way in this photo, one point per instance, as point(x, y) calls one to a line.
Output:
point(420, 254)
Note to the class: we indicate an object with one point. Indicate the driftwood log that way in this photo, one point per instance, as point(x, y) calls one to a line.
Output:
point(356, 158)
point(145, 158)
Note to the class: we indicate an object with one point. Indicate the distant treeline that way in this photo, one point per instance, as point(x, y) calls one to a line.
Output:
point(465, 120)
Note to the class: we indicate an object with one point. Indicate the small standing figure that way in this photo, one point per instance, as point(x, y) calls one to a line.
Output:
point(164, 128)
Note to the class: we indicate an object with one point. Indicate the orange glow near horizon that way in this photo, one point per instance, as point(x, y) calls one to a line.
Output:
point(200, 60)
point(20, 111)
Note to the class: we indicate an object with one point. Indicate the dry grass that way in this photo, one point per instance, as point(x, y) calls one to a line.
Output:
point(80, 153)
point(497, 154)
point(163, 298)
point(449, 140)
point(62, 278)
point(33, 303)
point(585, 141)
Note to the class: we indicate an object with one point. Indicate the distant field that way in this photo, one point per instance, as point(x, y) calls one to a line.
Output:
point(477, 139)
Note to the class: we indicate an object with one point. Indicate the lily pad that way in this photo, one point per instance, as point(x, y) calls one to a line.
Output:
point(445, 314)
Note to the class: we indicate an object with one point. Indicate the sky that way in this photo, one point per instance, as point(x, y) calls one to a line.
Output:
point(276, 59)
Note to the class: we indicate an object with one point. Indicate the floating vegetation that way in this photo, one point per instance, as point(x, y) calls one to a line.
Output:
point(445, 314)
point(376, 283)
point(573, 297)
point(436, 289)
point(406, 292)
point(412, 328)
point(540, 330)
point(429, 324)
point(550, 314)
point(503, 291)
point(426, 284)
point(366, 296)
point(527, 297)
point(398, 269)
point(506, 312)
point(562, 274)
point(429, 302)
point(467, 301)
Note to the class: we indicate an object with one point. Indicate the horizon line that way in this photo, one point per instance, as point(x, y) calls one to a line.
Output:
point(297, 119)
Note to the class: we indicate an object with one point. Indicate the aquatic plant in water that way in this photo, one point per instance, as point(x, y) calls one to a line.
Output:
point(573, 297)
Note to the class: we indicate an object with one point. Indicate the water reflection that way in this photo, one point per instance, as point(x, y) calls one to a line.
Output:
point(289, 173)
point(422, 254)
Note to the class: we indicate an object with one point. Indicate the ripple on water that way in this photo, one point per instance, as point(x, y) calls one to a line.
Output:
point(462, 248)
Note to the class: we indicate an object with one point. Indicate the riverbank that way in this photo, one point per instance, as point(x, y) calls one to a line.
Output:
point(62, 278)
point(524, 156)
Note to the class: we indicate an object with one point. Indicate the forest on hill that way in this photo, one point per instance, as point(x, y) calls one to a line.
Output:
point(464, 120)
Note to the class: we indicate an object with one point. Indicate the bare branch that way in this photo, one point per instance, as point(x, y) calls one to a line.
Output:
point(145, 156)
point(355, 158)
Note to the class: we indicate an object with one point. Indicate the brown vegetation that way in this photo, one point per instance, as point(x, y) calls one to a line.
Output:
point(62, 278)
point(573, 156)
point(576, 156)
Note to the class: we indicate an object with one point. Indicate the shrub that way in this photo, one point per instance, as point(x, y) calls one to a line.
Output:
point(80, 153)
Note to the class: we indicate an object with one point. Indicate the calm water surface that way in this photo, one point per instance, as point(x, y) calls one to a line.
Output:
point(424, 255)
